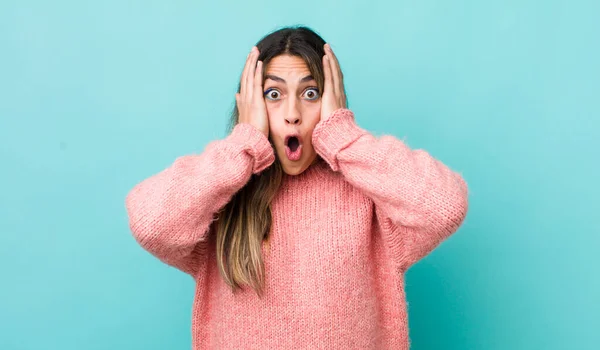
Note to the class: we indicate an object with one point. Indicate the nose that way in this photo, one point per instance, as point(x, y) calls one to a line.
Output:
point(293, 114)
point(292, 120)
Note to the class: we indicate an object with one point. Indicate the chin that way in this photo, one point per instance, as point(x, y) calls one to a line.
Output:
point(296, 168)
point(293, 169)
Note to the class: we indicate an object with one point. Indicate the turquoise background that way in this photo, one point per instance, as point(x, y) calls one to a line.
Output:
point(97, 96)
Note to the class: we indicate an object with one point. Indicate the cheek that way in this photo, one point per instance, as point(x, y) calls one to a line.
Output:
point(313, 114)
point(276, 126)
point(272, 115)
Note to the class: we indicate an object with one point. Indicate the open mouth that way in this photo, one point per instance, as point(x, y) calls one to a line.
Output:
point(293, 143)
point(293, 147)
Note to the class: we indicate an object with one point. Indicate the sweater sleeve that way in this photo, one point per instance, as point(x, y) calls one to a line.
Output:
point(419, 201)
point(170, 213)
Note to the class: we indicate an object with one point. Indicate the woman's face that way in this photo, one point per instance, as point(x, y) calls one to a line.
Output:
point(293, 104)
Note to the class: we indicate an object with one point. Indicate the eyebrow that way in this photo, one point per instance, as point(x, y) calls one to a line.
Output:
point(276, 78)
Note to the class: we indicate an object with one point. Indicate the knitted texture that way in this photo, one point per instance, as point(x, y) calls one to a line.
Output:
point(344, 233)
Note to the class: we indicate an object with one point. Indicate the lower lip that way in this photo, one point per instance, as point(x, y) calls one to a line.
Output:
point(293, 156)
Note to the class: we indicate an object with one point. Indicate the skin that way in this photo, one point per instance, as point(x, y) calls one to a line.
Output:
point(289, 101)
point(293, 105)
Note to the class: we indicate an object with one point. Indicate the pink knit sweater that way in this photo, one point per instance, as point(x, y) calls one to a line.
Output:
point(344, 233)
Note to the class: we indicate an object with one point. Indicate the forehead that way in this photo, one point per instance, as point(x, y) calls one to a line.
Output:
point(287, 65)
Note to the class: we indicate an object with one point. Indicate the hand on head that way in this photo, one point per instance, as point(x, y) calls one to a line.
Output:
point(250, 101)
point(333, 96)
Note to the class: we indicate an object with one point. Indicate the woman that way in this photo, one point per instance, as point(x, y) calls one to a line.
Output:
point(298, 227)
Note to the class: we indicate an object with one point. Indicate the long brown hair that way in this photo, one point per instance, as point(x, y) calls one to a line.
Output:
point(245, 222)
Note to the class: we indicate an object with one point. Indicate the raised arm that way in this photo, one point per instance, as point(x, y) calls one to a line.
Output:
point(170, 213)
point(419, 201)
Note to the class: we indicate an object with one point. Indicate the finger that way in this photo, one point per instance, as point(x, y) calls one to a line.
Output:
point(258, 93)
point(239, 108)
point(250, 76)
point(335, 73)
point(243, 77)
point(327, 73)
point(336, 63)
point(340, 76)
point(245, 74)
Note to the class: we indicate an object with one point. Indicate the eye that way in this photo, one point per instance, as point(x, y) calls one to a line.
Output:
point(312, 93)
point(272, 94)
